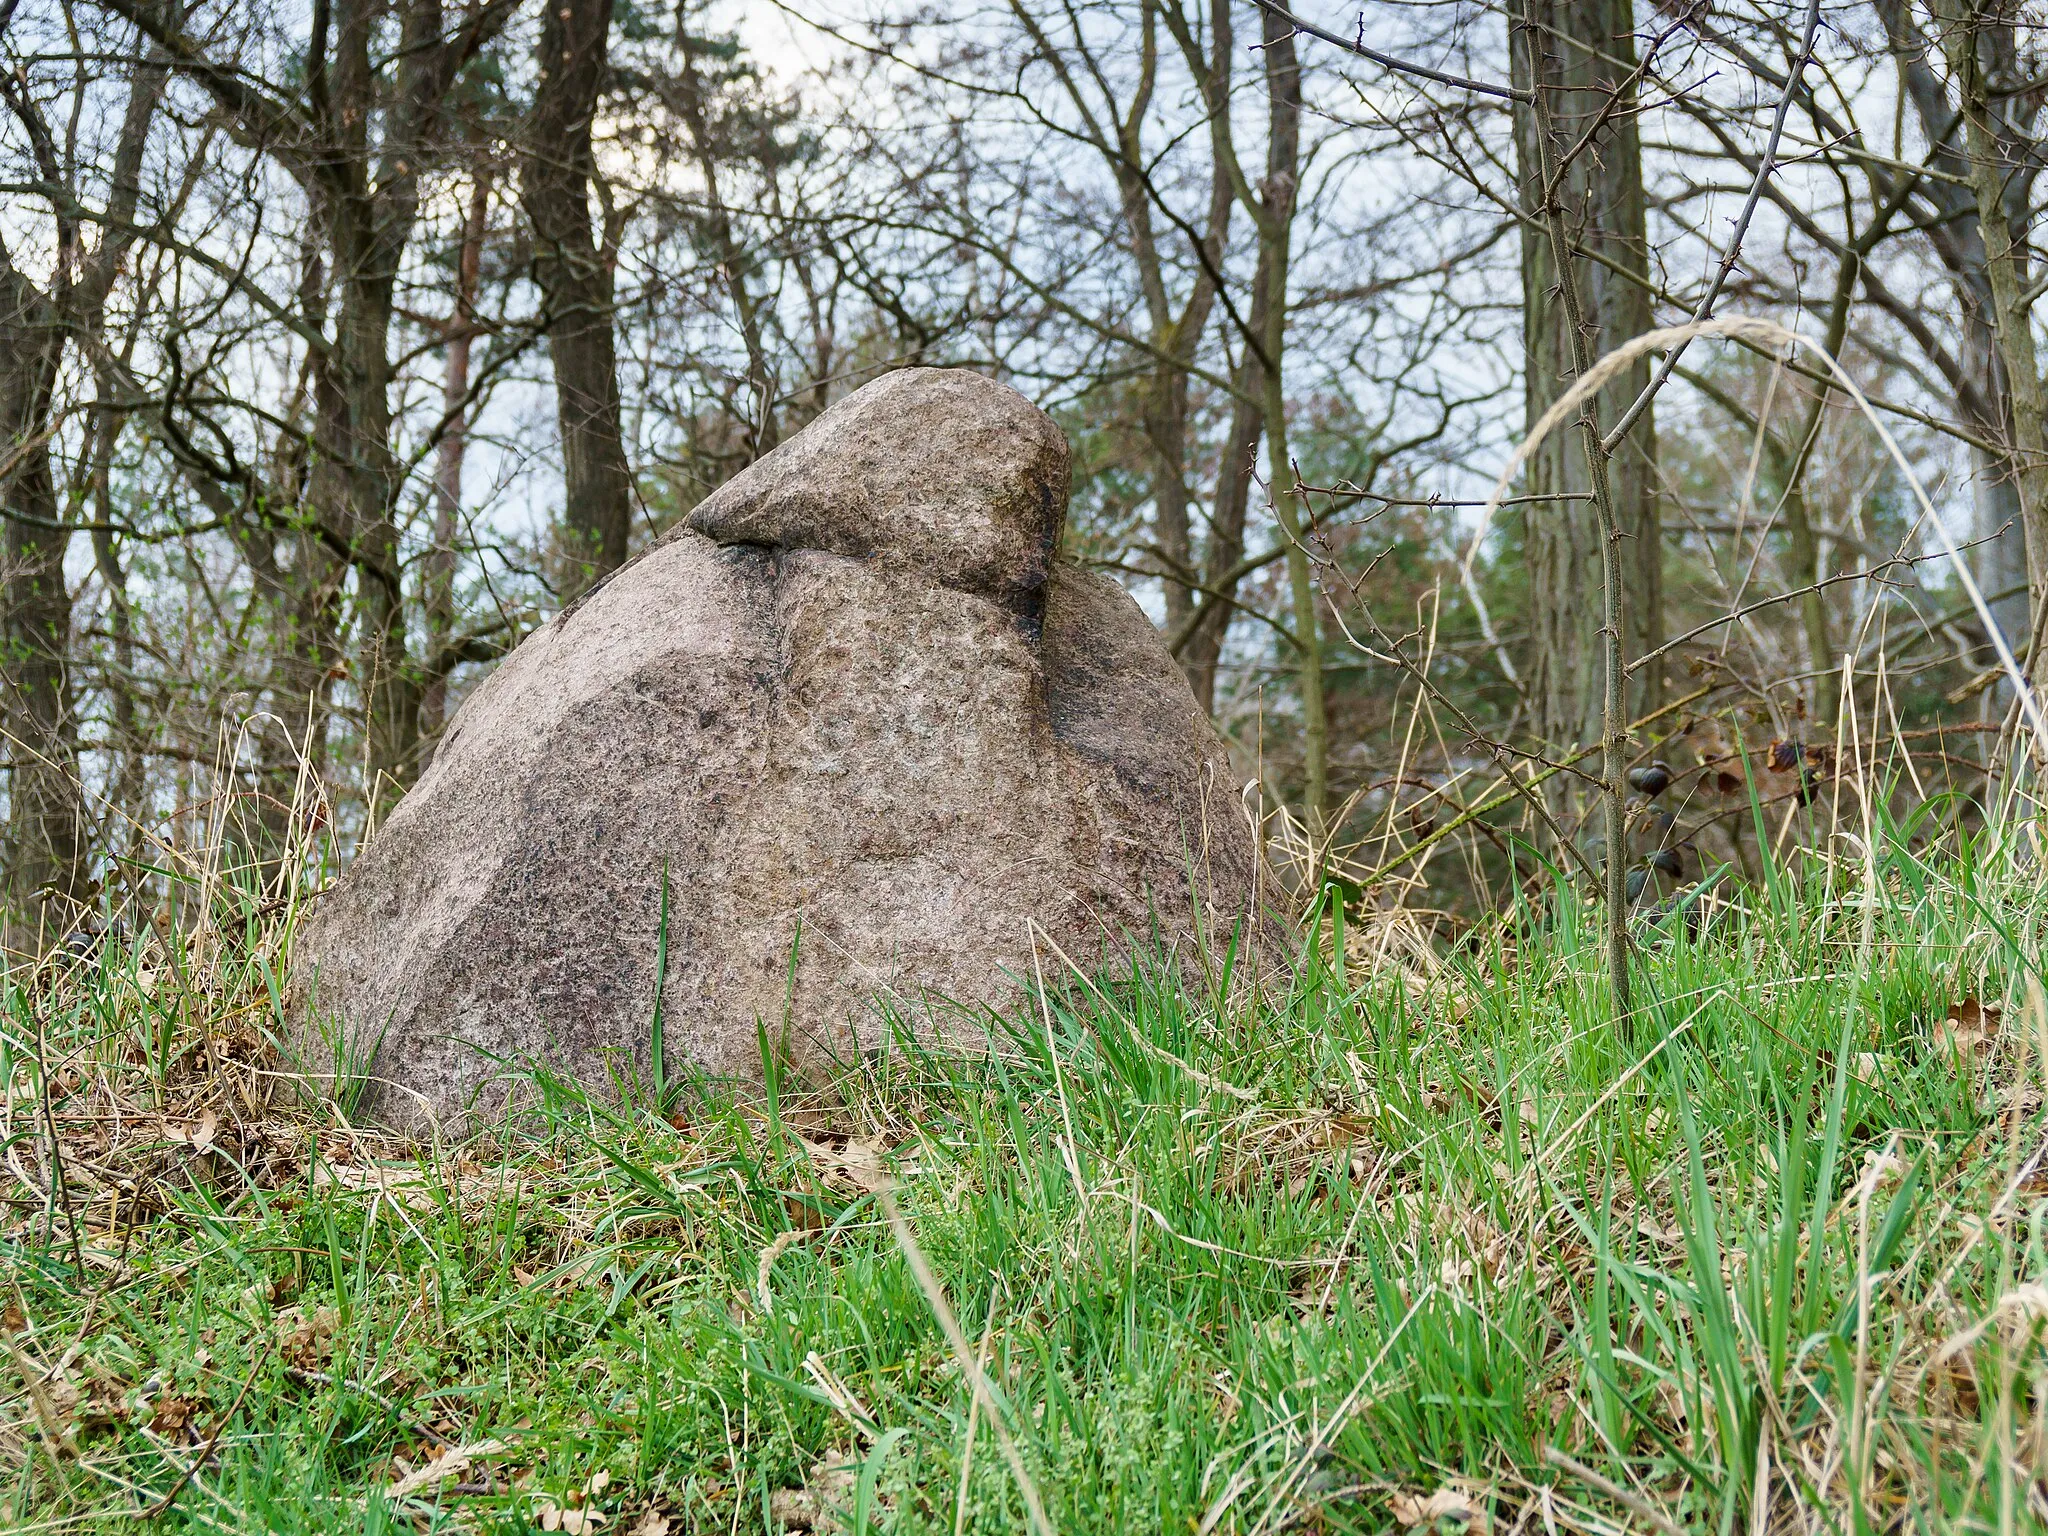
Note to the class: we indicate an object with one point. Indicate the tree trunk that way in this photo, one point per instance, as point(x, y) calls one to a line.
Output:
point(573, 267)
point(46, 845)
point(1202, 650)
point(299, 578)
point(438, 584)
point(1806, 572)
point(372, 214)
point(1983, 393)
point(357, 443)
point(1275, 218)
point(1965, 34)
point(2001, 527)
point(1198, 611)
point(45, 835)
point(1166, 423)
point(302, 594)
point(128, 775)
point(374, 120)
point(1587, 50)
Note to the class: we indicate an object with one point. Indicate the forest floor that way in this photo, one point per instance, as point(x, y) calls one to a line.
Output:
point(1352, 1247)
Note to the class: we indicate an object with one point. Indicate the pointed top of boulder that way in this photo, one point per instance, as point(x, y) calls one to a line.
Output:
point(940, 471)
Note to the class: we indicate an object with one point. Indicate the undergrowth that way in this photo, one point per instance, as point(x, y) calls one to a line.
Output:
point(1335, 1244)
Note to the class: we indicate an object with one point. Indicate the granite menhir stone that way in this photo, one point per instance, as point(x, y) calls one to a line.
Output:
point(865, 725)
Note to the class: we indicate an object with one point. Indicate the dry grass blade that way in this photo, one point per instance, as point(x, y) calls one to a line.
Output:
point(963, 1354)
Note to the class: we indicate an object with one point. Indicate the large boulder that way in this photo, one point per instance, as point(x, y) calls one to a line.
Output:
point(857, 718)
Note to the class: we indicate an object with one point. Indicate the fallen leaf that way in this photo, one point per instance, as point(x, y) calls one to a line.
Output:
point(1972, 1014)
point(1969, 1028)
point(104, 1407)
point(304, 1340)
point(197, 1134)
point(455, 1459)
point(856, 1168)
point(1412, 1509)
point(171, 1416)
point(652, 1522)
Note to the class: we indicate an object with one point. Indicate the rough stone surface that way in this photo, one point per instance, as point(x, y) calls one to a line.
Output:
point(856, 712)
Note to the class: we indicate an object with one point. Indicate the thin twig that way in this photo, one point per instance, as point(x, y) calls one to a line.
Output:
point(1399, 66)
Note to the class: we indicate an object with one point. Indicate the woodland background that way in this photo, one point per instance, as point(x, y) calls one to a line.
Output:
point(342, 342)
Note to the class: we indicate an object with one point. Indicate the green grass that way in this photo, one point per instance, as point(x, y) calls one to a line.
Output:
point(1241, 1256)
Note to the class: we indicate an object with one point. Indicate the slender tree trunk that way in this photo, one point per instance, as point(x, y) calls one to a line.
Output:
point(300, 581)
point(438, 583)
point(299, 577)
point(1990, 170)
point(1202, 650)
point(1579, 330)
point(1587, 51)
point(372, 122)
point(1983, 393)
point(1166, 431)
point(1166, 420)
point(1275, 220)
point(1197, 621)
point(45, 849)
point(763, 429)
point(46, 845)
point(574, 269)
point(2001, 525)
point(1806, 569)
point(387, 676)
point(1175, 338)
point(126, 813)
point(372, 215)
